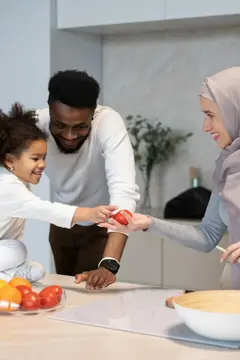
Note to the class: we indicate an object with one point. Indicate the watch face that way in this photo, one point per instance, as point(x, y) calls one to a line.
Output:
point(111, 265)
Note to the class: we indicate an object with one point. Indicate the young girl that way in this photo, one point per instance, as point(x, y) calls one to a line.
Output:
point(220, 102)
point(23, 149)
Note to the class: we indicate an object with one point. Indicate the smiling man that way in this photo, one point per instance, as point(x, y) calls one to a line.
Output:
point(90, 162)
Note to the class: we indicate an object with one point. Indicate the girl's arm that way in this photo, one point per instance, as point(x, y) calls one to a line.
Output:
point(18, 201)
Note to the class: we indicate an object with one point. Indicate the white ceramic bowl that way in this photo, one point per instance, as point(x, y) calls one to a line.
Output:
point(212, 314)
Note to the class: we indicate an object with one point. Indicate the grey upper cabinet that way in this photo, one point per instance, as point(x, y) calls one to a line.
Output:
point(79, 13)
point(181, 9)
point(114, 16)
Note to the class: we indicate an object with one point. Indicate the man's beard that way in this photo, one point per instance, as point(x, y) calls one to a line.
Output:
point(69, 150)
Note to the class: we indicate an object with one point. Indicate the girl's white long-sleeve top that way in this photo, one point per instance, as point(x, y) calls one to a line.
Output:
point(18, 203)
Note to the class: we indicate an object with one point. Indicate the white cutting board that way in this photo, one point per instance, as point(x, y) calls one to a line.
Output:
point(139, 311)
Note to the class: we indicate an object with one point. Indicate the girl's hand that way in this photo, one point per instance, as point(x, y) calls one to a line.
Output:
point(101, 213)
point(135, 223)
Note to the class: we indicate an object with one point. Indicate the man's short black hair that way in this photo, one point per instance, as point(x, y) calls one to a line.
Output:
point(73, 88)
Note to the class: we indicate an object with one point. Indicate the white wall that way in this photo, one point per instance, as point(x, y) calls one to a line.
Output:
point(159, 75)
point(76, 51)
point(25, 46)
point(24, 73)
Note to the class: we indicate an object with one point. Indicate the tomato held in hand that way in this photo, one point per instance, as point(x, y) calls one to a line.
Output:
point(50, 296)
point(24, 290)
point(31, 301)
point(120, 218)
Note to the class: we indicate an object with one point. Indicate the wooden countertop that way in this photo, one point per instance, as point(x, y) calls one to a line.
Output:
point(34, 337)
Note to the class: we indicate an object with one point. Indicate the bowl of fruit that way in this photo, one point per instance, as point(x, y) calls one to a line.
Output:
point(20, 297)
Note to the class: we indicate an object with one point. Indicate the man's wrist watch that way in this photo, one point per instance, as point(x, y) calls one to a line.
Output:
point(110, 264)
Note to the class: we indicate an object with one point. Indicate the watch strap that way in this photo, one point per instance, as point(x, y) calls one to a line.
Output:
point(108, 258)
point(110, 264)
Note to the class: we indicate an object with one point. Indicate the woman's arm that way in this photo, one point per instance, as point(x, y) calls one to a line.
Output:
point(203, 237)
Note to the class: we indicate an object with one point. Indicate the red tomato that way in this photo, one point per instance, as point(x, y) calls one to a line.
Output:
point(50, 296)
point(119, 217)
point(24, 290)
point(56, 289)
point(31, 301)
point(49, 301)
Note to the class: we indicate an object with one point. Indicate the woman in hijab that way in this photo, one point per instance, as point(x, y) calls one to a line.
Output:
point(220, 102)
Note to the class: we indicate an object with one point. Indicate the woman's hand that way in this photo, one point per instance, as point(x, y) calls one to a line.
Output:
point(135, 223)
point(233, 252)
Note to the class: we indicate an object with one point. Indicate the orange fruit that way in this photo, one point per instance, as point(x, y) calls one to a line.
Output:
point(11, 294)
point(10, 298)
point(3, 283)
point(17, 281)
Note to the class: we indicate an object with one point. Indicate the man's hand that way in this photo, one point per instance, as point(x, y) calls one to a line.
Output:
point(96, 279)
point(101, 277)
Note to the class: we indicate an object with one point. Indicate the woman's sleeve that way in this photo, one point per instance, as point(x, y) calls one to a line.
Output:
point(204, 237)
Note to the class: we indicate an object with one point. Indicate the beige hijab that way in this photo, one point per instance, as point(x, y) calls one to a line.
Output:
point(224, 89)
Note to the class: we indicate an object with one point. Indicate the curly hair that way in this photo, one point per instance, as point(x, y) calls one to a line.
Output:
point(18, 129)
point(73, 88)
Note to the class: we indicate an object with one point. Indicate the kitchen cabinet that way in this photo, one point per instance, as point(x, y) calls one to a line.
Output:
point(117, 17)
point(112, 16)
point(142, 260)
point(190, 269)
point(181, 9)
point(149, 259)
point(80, 14)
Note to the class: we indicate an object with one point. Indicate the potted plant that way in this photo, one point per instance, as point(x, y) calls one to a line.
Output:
point(152, 144)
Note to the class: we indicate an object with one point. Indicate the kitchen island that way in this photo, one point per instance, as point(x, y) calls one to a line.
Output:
point(33, 337)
